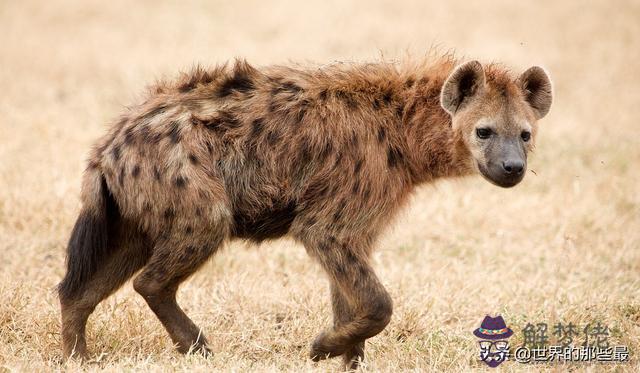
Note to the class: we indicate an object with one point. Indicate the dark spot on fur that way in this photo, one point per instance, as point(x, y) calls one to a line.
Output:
point(256, 128)
point(394, 156)
point(198, 76)
point(409, 82)
point(347, 98)
point(224, 121)
point(366, 193)
point(305, 151)
point(199, 211)
point(273, 105)
point(146, 207)
point(145, 133)
point(382, 134)
point(92, 165)
point(188, 86)
point(291, 87)
point(136, 171)
point(376, 103)
point(121, 177)
point(400, 111)
point(115, 151)
point(193, 159)
point(191, 250)
point(349, 255)
point(174, 132)
point(323, 95)
point(240, 81)
point(156, 110)
point(273, 137)
point(356, 187)
point(254, 158)
point(326, 151)
point(410, 111)
point(387, 97)
point(169, 213)
point(209, 146)
point(128, 136)
point(338, 213)
point(180, 182)
point(302, 111)
point(362, 271)
point(189, 230)
point(353, 141)
point(156, 173)
point(358, 166)
point(338, 160)
point(287, 87)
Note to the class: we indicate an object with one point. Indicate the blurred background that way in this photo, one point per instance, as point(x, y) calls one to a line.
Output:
point(562, 246)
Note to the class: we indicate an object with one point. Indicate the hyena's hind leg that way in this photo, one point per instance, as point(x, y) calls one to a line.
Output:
point(129, 252)
point(174, 259)
point(365, 306)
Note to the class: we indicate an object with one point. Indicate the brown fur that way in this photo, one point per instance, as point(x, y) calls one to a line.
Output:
point(327, 155)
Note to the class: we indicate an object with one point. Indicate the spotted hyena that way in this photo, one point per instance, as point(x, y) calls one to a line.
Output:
point(326, 155)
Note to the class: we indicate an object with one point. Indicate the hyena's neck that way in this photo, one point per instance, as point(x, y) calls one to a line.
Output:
point(423, 141)
point(433, 149)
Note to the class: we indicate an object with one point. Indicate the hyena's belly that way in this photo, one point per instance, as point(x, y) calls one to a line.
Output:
point(268, 223)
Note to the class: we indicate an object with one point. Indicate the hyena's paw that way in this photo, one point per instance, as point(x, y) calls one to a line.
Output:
point(80, 356)
point(326, 346)
point(199, 347)
point(353, 357)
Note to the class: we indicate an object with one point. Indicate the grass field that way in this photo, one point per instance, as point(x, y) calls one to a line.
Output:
point(562, 246)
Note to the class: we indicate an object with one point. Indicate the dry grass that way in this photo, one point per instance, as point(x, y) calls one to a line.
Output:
point(564, 245)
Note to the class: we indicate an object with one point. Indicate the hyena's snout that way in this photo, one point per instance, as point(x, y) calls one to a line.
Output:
point(506, 168)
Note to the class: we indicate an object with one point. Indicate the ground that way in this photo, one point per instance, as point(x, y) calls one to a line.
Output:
point(562, 246)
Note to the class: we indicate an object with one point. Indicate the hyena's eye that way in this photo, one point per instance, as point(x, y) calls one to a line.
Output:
point(526, 135)
point(483, 133)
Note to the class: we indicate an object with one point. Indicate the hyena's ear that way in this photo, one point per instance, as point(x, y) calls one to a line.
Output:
point(536, 85)
point(465, 82)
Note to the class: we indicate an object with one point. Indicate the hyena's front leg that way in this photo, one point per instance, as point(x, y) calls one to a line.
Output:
point(370, 304)
point(342, 314)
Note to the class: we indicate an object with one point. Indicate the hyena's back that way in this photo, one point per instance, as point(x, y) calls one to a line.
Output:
point(255, 150)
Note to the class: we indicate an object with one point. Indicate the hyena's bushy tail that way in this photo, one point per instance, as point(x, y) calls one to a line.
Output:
point(89, 243)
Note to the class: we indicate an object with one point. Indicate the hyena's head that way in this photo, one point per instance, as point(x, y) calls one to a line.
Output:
point(496, 116)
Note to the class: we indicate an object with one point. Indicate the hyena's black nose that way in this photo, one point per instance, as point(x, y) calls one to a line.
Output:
point(513, 167)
